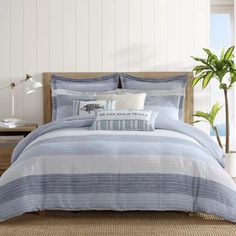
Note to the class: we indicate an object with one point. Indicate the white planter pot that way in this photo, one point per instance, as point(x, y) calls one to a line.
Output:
point(230, 164)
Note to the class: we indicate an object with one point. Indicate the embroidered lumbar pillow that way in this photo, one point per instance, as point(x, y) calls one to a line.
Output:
point(142, 120)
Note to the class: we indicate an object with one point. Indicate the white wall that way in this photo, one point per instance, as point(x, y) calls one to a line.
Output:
point(95, 35)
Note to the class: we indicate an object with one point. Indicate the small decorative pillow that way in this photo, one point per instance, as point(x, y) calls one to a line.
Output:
point(126, 101)
point(141, 120)
point(88, 109)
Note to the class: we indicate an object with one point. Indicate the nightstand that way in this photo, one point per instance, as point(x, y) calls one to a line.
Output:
point(9, 137)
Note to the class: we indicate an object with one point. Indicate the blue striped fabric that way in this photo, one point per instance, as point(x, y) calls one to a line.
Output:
point(104, 83)
point(62, 104)
point(65, 165)
point(62, 101)
point(65, 90)
point(107, 183)
point(141, 120)
point(166, 96)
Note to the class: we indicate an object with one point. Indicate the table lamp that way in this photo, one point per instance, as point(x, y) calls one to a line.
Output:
point(31, 87)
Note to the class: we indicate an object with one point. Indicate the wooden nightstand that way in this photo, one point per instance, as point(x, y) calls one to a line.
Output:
point(8, 140)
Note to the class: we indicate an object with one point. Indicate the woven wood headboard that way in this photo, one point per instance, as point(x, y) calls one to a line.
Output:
point(47, 99)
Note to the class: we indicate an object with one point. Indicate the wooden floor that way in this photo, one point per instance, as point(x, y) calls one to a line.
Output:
point(117, 224)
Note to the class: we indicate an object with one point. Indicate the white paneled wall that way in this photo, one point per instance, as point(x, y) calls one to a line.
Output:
point(95, 35)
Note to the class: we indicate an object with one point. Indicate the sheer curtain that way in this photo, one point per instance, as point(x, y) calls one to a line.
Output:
point(202, 97)
point(222, 36)
point(222, 29)
point(233, 113)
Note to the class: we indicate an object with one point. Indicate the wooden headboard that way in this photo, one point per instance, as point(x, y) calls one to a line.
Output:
point(47, 99)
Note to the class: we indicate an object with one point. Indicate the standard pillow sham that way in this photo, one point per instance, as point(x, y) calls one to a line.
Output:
point(166, 96)
point(88, 109)
point(126, 100)
point(166, 103)
point(64, 89)
point(130, 120)
point(105, 83)
point(62, 101)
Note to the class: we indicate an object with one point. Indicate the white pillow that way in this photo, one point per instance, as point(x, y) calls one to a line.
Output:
point(126, 101)
point(110, 96)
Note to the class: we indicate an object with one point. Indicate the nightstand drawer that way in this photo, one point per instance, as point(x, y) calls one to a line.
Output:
point(4, 167)
point(5, 161)
point(9, 138)
point(6, 150)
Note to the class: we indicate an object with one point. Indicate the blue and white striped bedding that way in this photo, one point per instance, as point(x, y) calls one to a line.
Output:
point(64, 165)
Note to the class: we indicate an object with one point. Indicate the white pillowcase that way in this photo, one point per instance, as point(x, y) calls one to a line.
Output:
point(126, 101)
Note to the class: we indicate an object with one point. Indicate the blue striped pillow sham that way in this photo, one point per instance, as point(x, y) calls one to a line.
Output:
point(166, 96)
point(167, 103)
point(105, 83)
point(64, 92)
point(62, 101)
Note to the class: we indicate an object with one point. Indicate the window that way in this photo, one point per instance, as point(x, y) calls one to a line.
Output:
point(222, 36)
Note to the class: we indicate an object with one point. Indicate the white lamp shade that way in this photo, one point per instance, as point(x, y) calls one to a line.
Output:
point(32, 85)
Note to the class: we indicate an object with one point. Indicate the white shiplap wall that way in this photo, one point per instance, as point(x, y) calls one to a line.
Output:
point(95, 35)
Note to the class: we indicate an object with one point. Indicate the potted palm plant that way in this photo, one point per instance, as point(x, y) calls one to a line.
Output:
point(223, 70)
point(210, 118)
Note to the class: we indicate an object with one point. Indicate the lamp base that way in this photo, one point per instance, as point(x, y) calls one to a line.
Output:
point(15, 121)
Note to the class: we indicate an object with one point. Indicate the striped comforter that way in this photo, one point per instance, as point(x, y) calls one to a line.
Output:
point(64, 165)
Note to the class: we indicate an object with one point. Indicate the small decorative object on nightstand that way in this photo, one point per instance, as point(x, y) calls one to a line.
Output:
point(9, 137)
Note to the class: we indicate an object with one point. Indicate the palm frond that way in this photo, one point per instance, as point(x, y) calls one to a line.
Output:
point(229, 53)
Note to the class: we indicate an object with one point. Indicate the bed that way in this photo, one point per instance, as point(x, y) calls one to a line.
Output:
point(64, 165)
